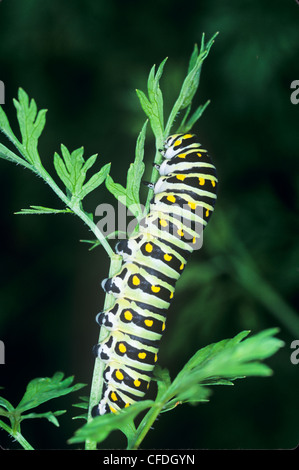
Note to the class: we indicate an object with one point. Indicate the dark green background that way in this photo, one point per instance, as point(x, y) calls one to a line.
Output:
point(83, 61)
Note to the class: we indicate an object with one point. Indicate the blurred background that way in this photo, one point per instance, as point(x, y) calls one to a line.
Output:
point(83, 61)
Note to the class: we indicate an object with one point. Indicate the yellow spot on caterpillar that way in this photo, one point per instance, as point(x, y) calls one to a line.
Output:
point(156, 289)
point(192, 205)
point(180, 232)
point(199, 154)
point(137, 383)
point(126, 405)
point(122, 348)
point(142, 355)
point(167, 257)
point(207, 213)
point(182, 155)
point(178, 142)
point(187, 136)
point(194, 240)
point(136, 280)
point(149, 247)
point(213, 183)
point(128, 315)
point(201, 181)
point(119, 375)
point(180, 177)
point(182, 266)
point(163, 222)
point(147, 386)
point(163, 326)
point(171, 198)
point(113, 396)
point(171, 295)
point(113, 410)
point(156, 358)
point(148, 322)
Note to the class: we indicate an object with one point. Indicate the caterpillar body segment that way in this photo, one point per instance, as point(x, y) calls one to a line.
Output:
point(153, 261)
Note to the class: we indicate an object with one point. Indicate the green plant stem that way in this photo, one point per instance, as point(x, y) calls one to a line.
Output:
point(154, 177)
point(145, 426)
point(74, 206)
point(97, 379)
point(17, 436)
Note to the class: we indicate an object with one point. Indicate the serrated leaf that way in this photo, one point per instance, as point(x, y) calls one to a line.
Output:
point(83, 403)
point(229, 359)
point(129, 195)
point(218, 364)
point(41, 390)
point(115, 188)
point(72, 169)
point(95, 181)
point(185, 127)
point(100, 427)
point(38, 210)
point(31, 126)
point(163, 380)
point(191, 82)
point(6, 129)
point(145, 103)
point(193, 58)
point(49, 415)
point(90, 162)
point(135, 173)
point(153, 105)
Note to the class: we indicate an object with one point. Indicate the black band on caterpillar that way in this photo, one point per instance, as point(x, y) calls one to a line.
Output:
point(153, 260)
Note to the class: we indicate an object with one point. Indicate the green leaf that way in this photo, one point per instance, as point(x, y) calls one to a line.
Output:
point(129, 195)
point(228, 360)
point(100, 427)
point(136, 171)
point(6, 129)
point(96, 180)
point(43, 210)
point(49, 415)
point(41, 390)
point(5, 404)
point(189, 87)
point(145, 103)
point(31, 126)
point(115, 188)
point(163, 380)
point(7, 154)
point(191, 82)
point(153, 105)
point(72, 169)
point(193, 57)
point(37, 392)
point(185, 127)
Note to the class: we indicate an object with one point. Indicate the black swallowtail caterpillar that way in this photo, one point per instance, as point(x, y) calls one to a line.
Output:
point(153, 260)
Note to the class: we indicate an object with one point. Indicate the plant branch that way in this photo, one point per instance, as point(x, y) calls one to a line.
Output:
point(97, 379)
point(17, 436)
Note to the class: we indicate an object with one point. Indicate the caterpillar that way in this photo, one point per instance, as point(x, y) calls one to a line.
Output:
point(153, 261)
